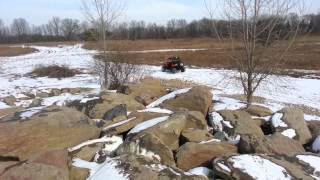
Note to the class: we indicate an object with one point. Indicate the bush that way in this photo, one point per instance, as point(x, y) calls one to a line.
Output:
point(116, 71)
point(54, 71)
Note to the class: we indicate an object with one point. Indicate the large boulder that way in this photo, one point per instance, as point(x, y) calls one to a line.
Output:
point(196, 120)
point(314, 127)
point(8, 114)
point(134, 119)
point(149, 146)
point(259, 111)
point(238, 123)
point(119, 110)
point(49, 165)
point(10, 100)
point(54, 128)
point(192, 155)
point(169, 131)
point(111, 100)
point(291, 122)
point(199, 98)
point(195, 135)
point(78, 173)
point(276, 144)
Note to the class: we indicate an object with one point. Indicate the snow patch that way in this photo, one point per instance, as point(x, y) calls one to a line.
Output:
point(28, 113)
point(210, 141)
point(119, 124)
point(311, 117)
point(276, 121)
point(216, 121)
point(167, 97)
point(85, 100)
point(314, 162)
point(224, 103)
point(106, 170)
point(112, 143)
point(3, 105)
point(224, 167)
point(147, 124)
point(316, 145)
point(157, 110)
point(258, 167)
point(290, 133)
point(201, 171)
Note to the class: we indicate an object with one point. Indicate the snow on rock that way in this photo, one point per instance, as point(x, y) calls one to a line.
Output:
point(311, 117)
point(202, 171)
point(314, 162)
point(106, 170)
point(85, 100)
point(210, 141)
point(216, 121)
point(119, 124)
point(3, 105)
point(28, 113)
point(157, 110)
point(258, 167)
point(224, 167)
point(234, 139)
point(290, 133)
point(316, 145)
point(160, 167)
point(276, 120)
point(61, 100)
point(147, 124)
point(167, 97)
point(148, 154)
point(227, 124)
point(112, 143)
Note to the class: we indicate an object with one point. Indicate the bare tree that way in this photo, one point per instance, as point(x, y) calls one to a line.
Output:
point(55, 26)
point(260, 35)
point(212, 10)
point(20, 27)
point(102, 14)
point(2, 28)
point(70, 27)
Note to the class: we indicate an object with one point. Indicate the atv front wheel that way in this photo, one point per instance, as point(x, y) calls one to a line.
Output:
point(183, 69)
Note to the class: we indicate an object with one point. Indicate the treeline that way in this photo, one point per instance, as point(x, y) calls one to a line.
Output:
point(72, 29)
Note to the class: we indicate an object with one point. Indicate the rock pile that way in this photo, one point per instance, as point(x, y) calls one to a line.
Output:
point(155, 135)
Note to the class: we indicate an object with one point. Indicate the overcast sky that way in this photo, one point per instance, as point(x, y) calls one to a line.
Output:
point(39, 11)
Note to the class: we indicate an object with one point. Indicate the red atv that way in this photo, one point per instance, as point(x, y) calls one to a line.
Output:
point(173, 65)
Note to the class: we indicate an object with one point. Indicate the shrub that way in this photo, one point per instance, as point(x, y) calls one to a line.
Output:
point(116, 71)
point(53, 71)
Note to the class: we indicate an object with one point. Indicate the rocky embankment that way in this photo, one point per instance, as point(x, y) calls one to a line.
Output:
point(152, 131)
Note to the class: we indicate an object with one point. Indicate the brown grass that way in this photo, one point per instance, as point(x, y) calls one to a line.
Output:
point(7, 51)
point(304, 55)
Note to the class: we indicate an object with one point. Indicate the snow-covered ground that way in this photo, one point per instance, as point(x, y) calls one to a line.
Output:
point(14, 69)
point(277, 91)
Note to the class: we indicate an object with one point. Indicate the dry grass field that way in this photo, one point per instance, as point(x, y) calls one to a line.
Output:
point(8, 51)
point(305, 54)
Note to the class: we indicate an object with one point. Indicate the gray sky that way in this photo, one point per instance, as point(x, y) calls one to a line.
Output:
point(39, 11)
